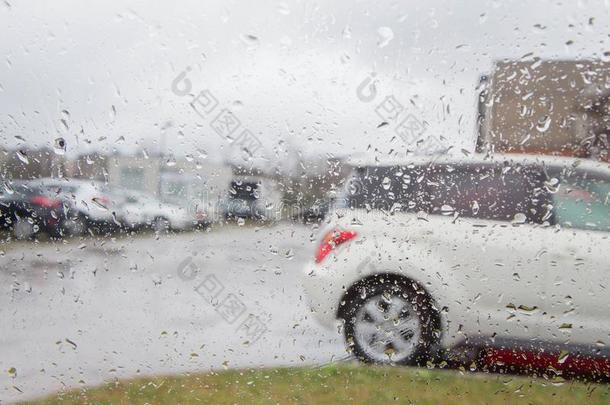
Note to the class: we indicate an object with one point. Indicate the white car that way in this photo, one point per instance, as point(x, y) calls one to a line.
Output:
point(140, 209)
point(426, 257)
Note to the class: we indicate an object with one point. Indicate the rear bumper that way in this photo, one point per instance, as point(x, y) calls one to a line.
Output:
point(323, 294)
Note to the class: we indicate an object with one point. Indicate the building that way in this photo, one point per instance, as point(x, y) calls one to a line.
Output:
point(549, 107)
point(30, 163)
point(184, 182)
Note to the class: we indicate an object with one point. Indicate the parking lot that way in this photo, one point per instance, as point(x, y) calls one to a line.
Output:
point(89, 310)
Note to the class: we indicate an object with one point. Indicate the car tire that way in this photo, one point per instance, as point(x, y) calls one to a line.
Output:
point(390, 322)
point(76, 226)
point(160, 225)
point(23, 229)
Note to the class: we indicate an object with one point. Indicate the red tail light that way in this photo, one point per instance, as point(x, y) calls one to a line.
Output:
point(331, 240)
point(46, 202)
point(103, 200)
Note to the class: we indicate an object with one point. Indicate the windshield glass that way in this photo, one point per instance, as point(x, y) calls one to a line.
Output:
point(304, 201)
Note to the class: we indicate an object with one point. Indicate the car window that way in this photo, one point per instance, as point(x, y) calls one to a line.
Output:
point(583, 202)
point(383, 188)
point(495, 192)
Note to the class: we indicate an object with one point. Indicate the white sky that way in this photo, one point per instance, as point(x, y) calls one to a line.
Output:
point(295, 85)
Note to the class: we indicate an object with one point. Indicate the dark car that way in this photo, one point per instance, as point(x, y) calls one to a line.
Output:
point(316, 212)
point(26, 210)
point(243, 201)
point(31, 207)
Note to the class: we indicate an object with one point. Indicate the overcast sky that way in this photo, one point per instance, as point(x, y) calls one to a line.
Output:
point(288, 70)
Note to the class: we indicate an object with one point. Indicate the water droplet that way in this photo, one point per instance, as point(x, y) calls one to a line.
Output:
point(525, 309)
point(475, 208)
point(520, 218)
point(543, 124)
point(447, 210)
point(98, 203)
point(249, 39)
point(563, 356)
point(525, 139)
point(283, 8)
point(552, 185)
point(237, 105)
point(59, 146)
point(64, 125)
point(422, 216)
point(385, 35)
point(23, 157)
point(354, 187)
point(347, 32)
point(202, 153)
point(156, 279)
point(8, 189)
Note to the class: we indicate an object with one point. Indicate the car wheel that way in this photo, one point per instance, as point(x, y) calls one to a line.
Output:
point(23, 229)
point(390, 323)
point(75, 226)
point(160, 225)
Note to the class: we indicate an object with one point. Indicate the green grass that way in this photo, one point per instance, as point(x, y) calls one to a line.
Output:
point(338, 383)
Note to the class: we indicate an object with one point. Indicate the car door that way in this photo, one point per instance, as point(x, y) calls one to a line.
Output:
point(577, 287)
point(497, 246)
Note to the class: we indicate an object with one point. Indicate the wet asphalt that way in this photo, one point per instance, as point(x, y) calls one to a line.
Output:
point(83, 312)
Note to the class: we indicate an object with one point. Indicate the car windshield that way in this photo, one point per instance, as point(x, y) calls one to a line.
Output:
point(304, 201)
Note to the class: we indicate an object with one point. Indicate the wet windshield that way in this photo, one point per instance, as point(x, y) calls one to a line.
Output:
point(304, 201)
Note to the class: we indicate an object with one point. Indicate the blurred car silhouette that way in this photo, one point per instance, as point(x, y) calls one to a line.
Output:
point(425, 257)
point(26, 210)
point(89, 205)
point(138, 210)
point(244, 201)
point(313, 213)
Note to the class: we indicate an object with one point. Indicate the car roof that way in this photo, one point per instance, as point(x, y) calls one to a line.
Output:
point(21, 187)
point(49, 181)
point(479, 159)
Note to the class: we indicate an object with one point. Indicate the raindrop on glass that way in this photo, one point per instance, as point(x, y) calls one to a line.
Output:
point(59, 146)
point(385, 35)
